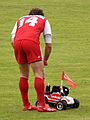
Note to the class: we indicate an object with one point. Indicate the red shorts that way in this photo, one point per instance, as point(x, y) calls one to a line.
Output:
point(27, 52)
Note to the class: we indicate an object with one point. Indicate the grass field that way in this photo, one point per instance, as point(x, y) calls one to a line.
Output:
point(70, 22)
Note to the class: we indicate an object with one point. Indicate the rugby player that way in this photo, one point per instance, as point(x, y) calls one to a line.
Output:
point(26, 44)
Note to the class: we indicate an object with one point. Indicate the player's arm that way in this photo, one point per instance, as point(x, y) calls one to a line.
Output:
point(13, 34)
point(48, 42)
point(48, 47)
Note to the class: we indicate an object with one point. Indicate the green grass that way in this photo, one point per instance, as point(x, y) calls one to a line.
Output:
point(70, 22)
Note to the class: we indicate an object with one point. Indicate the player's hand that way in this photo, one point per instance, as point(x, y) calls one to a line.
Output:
point(45, 62)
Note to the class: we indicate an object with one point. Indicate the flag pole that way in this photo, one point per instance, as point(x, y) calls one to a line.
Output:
point(62, 79)
point(61, 87)
point(61, 83)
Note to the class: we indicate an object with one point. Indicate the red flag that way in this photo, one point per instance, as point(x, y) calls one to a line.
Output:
point(70, 82)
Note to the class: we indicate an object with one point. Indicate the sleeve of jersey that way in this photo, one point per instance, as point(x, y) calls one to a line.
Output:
point(47, 33)
point(14, 31)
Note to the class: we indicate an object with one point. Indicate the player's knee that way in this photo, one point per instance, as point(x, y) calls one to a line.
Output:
point(26, 74)
point(40, 74)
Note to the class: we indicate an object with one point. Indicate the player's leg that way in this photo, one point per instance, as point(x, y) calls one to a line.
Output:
point(23, 82)
point(38, 69)
point(23, 85)
point(24, 71)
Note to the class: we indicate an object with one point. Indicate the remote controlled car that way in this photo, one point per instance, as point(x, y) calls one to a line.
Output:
point(58, 98)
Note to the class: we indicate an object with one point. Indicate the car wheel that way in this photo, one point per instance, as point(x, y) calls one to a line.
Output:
point(61, 105)
point(46, 100)
point(76, 103)
point(36, 103)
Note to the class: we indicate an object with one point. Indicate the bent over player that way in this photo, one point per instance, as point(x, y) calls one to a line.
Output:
point(26, 44)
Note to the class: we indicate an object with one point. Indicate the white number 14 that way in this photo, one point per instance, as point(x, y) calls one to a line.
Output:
point(32, 21)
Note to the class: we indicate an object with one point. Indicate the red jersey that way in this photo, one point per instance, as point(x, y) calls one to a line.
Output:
point(30, 27)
